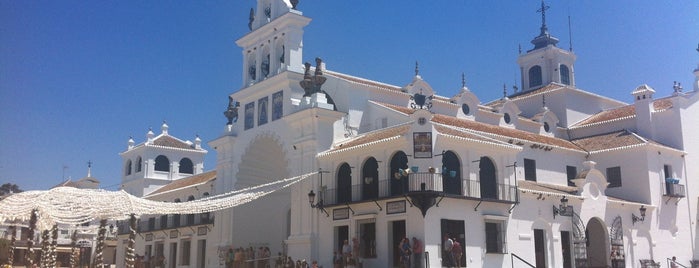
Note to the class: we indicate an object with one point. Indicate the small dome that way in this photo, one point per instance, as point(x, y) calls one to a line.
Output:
point(164, 127)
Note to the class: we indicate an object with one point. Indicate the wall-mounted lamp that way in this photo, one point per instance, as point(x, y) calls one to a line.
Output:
point(319, 205)
point(635, 218)
point(563, 209)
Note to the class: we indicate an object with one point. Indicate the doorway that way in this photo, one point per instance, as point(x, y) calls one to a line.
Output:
point(455, 230)
point(173, 255)
point(597, 247)
point(397, 231)
point(341, 234)
point(540, 248)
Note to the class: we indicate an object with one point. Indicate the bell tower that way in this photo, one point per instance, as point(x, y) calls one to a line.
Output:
point(546, 63)
point(275, 41)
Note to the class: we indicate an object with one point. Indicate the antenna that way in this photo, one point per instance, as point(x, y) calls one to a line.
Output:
point(570, 35)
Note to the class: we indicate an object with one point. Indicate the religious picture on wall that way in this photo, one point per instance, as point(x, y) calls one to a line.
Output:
point(422, 144)
point(262, 111)
point(277, 105)
point(249, 115)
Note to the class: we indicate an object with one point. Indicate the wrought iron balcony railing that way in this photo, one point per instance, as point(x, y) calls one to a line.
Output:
point(416, 182)
point(674, 190)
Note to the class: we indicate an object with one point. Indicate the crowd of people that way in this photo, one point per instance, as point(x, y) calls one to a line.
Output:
point(248, 257)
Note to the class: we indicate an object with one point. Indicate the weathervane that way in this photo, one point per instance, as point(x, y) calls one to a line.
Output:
point(463, 80)
point(417, 71)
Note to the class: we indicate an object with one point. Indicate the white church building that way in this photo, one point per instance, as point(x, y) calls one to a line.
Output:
point(551, 174)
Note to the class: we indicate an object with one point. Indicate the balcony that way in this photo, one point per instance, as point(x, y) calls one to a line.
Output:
point(421, 182)
point(170, 222)
point(674, 190)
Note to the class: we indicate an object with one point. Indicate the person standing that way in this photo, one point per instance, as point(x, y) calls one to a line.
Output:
point(346, 251)
point(405, 251)
point(418, 248)
point(457, 252)
point(673, 263)
point(448, 258)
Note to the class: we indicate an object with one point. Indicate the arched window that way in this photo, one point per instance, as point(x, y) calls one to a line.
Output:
point(176, 217)
point(344, 184)
point(488, 180)
point(205, 217)
point(162, 163)
point(451, 173)
point(399, 180)
point(565, 74)
point(190, 217)
point(139, 164)
point(535, 78)
point(127, 168)
point(370, 179)
point(186, 166)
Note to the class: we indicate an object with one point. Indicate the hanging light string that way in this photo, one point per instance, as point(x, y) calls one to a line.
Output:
point(68, 205)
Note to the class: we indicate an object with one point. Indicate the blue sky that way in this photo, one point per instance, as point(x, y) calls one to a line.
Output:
point(77, 78)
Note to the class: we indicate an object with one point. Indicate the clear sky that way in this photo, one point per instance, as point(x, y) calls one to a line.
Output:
point(77, 78)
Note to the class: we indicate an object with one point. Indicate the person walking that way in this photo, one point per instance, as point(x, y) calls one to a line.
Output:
point(418, 248)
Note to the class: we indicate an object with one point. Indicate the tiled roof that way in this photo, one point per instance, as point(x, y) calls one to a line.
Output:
point(609, 141)
point(462, 134)
point(371, 137)
point(186, 182)
point(402, 109)
point(541, 90)
point(502, 131)
point(362, 81)
point(545, 187)
point(169, 141)
point(622, 112)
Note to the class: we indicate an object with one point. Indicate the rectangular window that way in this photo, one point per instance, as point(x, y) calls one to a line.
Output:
point(367, 234)
point(249, 115)
point(571, 173)
point(540, 248)
point(151, 224)
point(529, 169)
point(494, 237)
point(614, 177)
point(185, 248)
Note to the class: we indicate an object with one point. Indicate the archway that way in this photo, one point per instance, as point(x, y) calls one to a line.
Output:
point(263, 161)
point(488, 180)
point(370, 179)
point(451, 173)
point(344, 184)
point(597, 243)
point(399, 181)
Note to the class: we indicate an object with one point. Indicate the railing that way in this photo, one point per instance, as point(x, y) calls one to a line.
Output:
point(674, 190)
point(512, 259)
point(149, 224)
point(420, 181)
point(670, 261)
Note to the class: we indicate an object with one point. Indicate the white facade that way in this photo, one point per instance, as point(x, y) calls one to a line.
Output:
point(500, 169)
point(158, 161)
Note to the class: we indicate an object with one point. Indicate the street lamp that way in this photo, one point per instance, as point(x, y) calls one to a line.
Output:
point(563, 209)
point(635, 218)
point(319, 205)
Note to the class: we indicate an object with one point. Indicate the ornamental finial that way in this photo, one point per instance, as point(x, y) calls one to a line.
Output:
point(417, 70)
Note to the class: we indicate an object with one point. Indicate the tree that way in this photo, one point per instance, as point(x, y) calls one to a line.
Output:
point(9, 188)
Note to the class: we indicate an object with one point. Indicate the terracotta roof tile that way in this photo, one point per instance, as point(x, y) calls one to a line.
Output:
point(544, 89)
point(545, 187)
point(169, 141)
point(362, 81)
point(373, 136)
point(402, 109)
point(185, 182)
point(462, 134)
point(502, 131)
point(609, 141)
point(622, 112)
